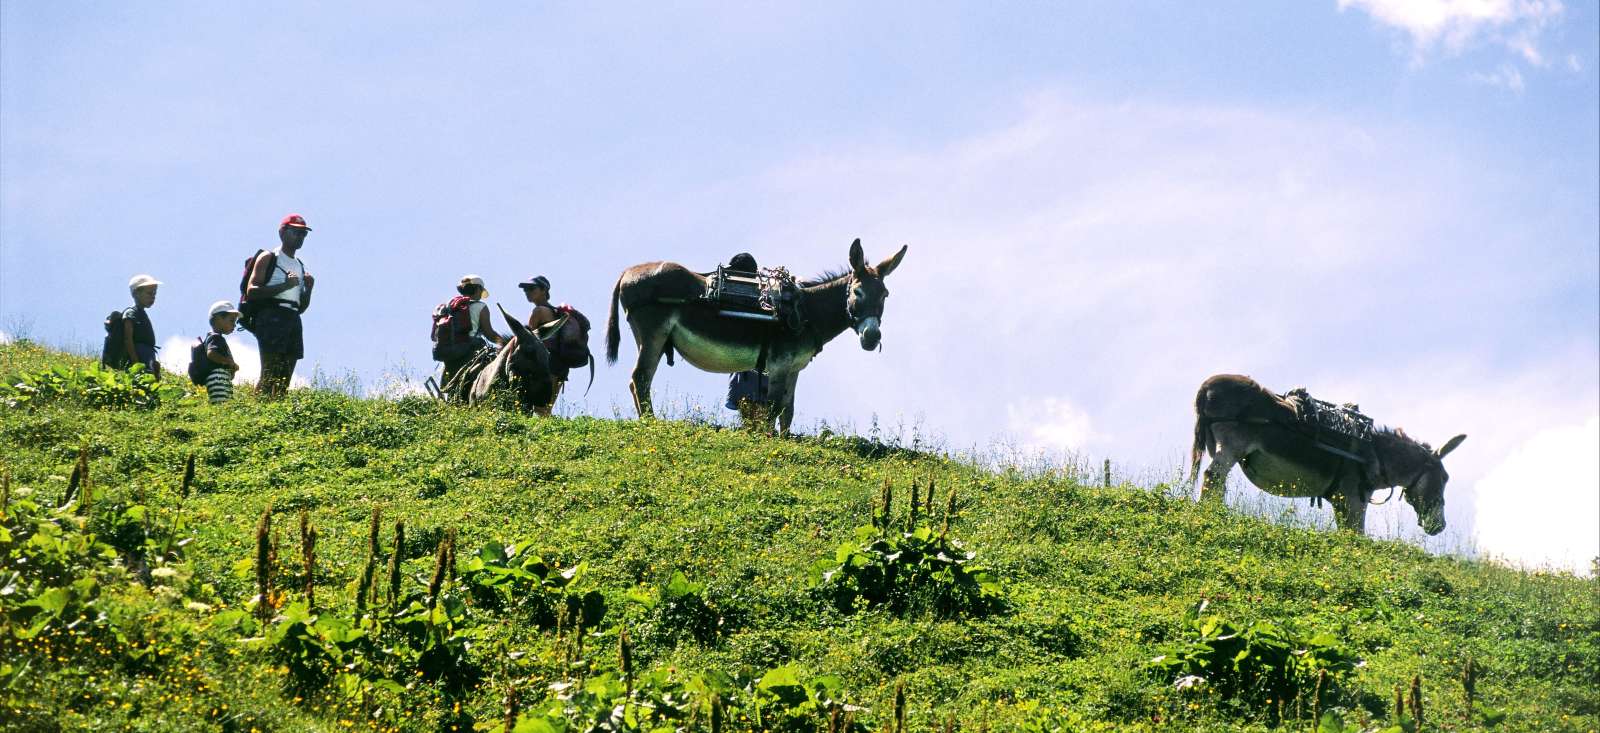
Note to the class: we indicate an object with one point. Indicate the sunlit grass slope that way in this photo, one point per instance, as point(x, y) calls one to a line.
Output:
point(1096, 582)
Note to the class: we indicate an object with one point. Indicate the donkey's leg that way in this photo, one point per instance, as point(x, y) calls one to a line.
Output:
point(1227, 447)
point(1351, 510)
point(786, 405)
point(652, 342)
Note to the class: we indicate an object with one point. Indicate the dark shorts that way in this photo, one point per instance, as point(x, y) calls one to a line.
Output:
point(278, 332)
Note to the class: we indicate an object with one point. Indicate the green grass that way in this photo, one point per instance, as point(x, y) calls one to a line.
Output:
point(1097, 582)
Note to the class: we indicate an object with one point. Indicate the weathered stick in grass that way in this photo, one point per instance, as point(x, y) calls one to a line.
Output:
point(264, 565)
point(900, 707)
point(394, 562)
point(364, 585)
point(1416, 699)
point(308, 557)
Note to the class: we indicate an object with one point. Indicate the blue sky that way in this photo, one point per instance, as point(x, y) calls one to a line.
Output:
point(1394, 203)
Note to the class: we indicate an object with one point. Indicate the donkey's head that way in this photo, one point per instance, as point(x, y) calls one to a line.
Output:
point(1419, 470)
point(529, 363)
point(864, 304)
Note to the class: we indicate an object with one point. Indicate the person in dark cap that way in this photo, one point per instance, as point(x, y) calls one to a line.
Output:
point(280, 283)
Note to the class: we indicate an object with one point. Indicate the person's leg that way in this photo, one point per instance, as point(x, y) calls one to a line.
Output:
point(219, 385)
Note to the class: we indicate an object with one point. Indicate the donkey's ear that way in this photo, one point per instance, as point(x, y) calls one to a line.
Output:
point(1450, 445)
point(521, 331)
point(887, 266)
point(858, 259)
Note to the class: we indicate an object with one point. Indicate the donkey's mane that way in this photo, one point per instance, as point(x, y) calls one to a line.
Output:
point(825, 277)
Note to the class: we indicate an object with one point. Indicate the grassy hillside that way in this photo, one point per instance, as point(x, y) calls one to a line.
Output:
point(667, 575)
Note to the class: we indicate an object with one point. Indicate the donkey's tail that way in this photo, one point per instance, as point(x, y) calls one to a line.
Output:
point(1202, 437)
point(613, 331)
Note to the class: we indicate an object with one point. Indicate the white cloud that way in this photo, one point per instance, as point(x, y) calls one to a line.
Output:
point(1457, 24)
point(1506, 78)
point(1541, 505)
point(1049, 424)
point(174, 357)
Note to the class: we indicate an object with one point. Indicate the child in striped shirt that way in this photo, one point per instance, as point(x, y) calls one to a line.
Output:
point(219, 380)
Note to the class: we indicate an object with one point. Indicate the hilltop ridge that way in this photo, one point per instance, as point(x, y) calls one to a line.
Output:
point(707, 567)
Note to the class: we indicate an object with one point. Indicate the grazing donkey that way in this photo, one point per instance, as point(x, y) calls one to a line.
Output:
point(521, 369)
point(1237, 421)
point(662, 300)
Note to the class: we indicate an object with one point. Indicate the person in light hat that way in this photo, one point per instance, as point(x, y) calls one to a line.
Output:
point(219, 365)
point(465, 329)
point(281, 288)
point(138, 335)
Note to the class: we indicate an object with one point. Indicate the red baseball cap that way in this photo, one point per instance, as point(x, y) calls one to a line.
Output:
point(294, 220)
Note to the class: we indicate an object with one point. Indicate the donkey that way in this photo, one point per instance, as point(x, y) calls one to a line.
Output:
point(660, 300)
point(1237, 421)
point(520, 369)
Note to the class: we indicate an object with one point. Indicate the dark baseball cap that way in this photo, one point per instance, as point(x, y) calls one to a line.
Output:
point(537, 281)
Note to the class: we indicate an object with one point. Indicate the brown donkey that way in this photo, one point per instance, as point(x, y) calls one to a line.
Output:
point(662, 300)
point(1237, 421)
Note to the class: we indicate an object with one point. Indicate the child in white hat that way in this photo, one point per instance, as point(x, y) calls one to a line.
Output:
point(220, 365)
point(130, 337)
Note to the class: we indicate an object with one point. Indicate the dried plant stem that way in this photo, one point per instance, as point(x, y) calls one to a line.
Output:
point(911, 514)
point(1416, 698)
point(308, 552)
point(1316, 698)
point(5, 492)
point(1469, 682)
point(188, 478)
point(900, 707)
point(511, 707)
point(264, 565)
point(394, 562)
point(886, 504)
point(364, 586)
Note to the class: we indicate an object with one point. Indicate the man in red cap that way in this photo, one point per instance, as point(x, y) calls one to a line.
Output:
point(280, 284)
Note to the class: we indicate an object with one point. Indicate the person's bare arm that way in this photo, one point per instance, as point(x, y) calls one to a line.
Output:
point(541, 315)
point(305, 292)
point(486, 327)
point(127, 341)
point(261, 272)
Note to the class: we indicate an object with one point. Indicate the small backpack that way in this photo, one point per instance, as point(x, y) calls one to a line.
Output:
point(248, 309)
point(199, 366)
point(570, 344)
point(452, 329)
point(113, 354)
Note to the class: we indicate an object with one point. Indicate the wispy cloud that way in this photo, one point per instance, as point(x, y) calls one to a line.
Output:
point(1050, 424)
point(1507, 77)
point(1454, 25)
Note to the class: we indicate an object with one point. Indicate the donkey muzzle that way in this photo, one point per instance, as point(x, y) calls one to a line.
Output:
point(867, 329)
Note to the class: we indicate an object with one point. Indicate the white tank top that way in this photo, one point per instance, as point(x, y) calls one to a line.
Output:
point(284, 263)
point(475, 311)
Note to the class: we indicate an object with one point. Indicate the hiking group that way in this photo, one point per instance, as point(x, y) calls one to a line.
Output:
point(274, 290)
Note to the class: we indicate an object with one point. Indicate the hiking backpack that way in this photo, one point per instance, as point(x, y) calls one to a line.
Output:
point(248, 309)
point(113, 354)
point(570, 345)
point(452, 329)
point(199, 366)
